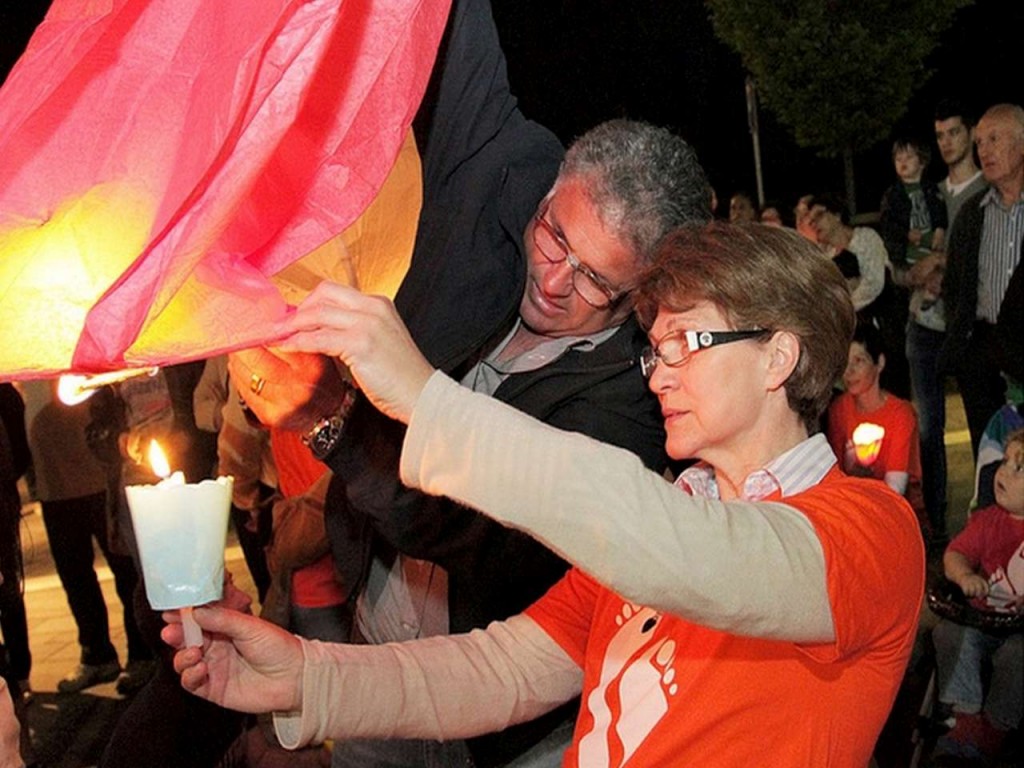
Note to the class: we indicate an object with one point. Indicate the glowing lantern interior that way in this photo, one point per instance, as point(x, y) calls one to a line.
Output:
point(163, 162)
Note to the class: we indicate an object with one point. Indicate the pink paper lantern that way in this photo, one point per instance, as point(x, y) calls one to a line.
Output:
point(161, 160)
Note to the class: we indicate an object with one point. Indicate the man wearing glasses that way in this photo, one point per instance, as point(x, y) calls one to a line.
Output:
point(520, 289)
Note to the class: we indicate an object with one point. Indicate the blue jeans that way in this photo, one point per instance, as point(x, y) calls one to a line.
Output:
point(928, 385)
point(960, 652)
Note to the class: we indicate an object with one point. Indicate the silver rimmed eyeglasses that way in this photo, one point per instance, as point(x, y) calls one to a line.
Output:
point(590, 286)
point(675, 348)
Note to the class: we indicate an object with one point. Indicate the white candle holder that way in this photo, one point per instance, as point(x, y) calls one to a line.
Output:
point(180, 529)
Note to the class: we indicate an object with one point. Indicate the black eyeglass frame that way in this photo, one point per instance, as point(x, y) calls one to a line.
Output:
point(695, 341)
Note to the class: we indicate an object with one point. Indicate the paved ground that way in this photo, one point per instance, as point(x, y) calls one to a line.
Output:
point(70, 730)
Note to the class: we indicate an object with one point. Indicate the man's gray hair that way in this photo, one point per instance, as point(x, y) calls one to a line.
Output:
point(644, 181)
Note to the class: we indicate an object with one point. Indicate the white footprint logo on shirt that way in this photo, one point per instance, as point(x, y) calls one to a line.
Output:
point(639, 666)
point(1005, 585)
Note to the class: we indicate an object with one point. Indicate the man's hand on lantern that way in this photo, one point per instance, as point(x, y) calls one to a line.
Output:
point(369, 337)
point(245, 663)
point(284, 389)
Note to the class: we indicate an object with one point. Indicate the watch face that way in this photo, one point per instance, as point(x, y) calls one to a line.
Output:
point(325, 437)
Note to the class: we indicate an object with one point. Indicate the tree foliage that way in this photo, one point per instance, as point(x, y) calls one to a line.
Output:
point(838, 73)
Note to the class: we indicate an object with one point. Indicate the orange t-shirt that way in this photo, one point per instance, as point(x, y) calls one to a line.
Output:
point(662, 691)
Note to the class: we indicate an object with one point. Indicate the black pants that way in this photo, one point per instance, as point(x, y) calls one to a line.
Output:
point(16, 661)
point(253, 542)
point(982, 388)
point(71, 527)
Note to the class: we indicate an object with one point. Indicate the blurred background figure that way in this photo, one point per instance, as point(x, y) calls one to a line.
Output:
point(15, 458)
point(992, 447)
point(865, 272)
point(914, 223)
point(913, 214)
point(71, 486)
point(894, 455)
point(802, 218)
point(860, 254)
point(742, 208)
point(15, 657)
point(243, 452)
point(986, 561)
point(771, 216)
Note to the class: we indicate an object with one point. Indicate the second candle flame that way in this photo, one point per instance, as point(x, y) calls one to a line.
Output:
point(158, 460)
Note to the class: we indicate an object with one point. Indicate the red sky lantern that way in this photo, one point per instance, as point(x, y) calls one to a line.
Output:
point(164, 162)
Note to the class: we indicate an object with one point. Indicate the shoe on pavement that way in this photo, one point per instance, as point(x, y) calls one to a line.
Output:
point(87, 675)
point(135, 675)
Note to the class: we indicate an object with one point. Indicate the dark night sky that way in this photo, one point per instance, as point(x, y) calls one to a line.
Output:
point(574, 63)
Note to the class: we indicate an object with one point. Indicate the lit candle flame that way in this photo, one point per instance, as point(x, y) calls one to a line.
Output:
point(158, 460)
point(867, 442)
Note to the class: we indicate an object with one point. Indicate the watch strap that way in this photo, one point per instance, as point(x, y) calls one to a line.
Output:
point(325, 435)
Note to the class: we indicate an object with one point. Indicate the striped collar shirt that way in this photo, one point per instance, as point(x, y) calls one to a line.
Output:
point(801, 467)
point(999, 252)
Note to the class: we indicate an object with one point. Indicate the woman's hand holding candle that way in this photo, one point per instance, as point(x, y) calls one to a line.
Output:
point(180, 531)
point(245, 664)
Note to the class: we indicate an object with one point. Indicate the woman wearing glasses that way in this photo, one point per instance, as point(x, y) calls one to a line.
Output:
point(747, 614)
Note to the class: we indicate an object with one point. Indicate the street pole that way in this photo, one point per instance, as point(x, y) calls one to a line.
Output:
point(755, 134)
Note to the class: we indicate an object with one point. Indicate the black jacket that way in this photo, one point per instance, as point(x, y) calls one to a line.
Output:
point(485, 168)
point(960, 291)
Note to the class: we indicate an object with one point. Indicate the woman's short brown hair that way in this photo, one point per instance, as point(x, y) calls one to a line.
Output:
point(760, 277)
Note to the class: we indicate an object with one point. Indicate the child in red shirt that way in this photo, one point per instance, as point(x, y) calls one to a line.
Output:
point(986, 560)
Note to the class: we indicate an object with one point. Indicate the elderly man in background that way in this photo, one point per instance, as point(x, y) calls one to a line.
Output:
point(983, 272)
